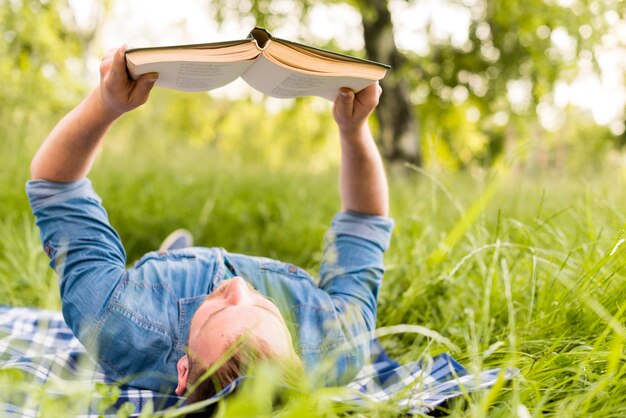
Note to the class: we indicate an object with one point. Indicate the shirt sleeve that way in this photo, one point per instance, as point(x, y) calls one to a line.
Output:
point(352, 267)
point(84, 250)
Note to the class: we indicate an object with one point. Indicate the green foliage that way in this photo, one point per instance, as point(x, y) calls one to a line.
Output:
point(38, 51)
point(25, 276)
point(59, 397)
point(214, 197)
point(38, 46)
point(508, 42)
point(241, 130)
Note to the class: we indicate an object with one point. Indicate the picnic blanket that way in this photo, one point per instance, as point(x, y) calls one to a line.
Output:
point(42, 365)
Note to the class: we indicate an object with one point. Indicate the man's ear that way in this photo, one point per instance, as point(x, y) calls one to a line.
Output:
point(182, 367)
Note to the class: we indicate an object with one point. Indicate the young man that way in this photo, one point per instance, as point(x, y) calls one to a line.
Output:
point(161, 323)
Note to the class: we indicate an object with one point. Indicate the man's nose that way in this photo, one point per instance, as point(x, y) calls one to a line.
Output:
point(238, 292)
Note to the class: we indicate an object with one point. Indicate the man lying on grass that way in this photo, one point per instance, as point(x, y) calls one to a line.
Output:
point(176, 313)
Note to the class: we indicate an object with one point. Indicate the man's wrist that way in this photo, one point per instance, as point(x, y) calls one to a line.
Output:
point(355, 134)
point(101, 109)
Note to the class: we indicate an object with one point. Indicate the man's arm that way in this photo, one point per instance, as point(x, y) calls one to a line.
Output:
point(70, 149)
point(363, 183)
point(352, 266)
point(83, 248)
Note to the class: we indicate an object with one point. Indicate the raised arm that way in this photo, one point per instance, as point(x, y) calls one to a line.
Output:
point(69, 150)
point(363, 183)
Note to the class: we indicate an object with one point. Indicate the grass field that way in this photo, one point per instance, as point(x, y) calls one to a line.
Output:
point(517, 269)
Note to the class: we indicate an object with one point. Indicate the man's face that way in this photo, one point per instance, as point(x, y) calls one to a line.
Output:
point(231, 310)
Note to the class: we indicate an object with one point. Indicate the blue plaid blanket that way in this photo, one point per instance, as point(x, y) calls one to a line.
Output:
point(44, 370)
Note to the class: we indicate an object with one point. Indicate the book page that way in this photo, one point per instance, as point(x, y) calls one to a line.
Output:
point(314, 61)
point(277, 81)
point(194, 76)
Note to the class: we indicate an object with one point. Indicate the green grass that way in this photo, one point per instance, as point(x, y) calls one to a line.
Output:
point(516, 269)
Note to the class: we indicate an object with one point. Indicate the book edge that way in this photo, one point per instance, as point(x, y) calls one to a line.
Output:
point(191, 46)
point(329, 52)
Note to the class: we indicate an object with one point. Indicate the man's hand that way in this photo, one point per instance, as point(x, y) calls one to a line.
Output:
point(118, 92)
point(351, 110)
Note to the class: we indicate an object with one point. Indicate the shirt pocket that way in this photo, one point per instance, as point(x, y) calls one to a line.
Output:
point(286, 269)
point(164, 256)
point(136, 354)
point(319, 329)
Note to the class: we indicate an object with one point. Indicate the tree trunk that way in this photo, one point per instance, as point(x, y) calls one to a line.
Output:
point(399, 134)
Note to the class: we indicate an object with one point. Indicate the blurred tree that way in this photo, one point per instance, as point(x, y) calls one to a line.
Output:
point(41, 60)
point(41, 64)
point(398, 127)
point(512, 54)
point(38, 45)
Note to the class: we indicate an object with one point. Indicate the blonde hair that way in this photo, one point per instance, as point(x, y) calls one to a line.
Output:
point(249, 353)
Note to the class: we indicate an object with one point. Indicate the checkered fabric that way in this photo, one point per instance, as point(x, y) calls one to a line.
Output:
point(44, 370)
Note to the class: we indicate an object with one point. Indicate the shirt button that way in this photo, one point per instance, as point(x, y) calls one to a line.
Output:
point(292, 269)
point(48, 249)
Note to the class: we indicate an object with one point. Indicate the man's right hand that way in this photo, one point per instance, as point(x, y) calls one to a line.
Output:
point(351, 110)
point(118, 92)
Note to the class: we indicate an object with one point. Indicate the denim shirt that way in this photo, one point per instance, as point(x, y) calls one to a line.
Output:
point(135, 321)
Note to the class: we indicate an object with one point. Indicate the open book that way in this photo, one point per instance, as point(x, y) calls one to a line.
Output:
point(275, 67)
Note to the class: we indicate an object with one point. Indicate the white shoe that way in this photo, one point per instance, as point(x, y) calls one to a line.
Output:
point(181, 238)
